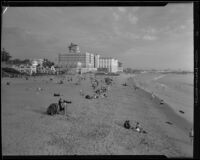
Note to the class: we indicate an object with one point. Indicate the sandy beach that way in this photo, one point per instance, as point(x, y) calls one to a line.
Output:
point(91, 127)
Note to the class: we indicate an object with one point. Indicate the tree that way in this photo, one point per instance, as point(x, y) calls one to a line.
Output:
point(5, 56)
point(26, 61)
point(17, 61)
point(47, 63)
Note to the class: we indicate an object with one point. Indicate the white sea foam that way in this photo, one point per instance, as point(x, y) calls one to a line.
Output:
point(159, 77)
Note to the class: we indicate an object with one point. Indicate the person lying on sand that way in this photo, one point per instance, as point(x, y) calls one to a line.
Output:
point(161, 101)
point(89, 97)
point(124, 84)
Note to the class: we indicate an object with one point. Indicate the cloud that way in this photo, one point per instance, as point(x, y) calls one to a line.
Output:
point(180, 30)
point(134, 9)
point(131, 51)
point(122, 9)
point(132, 19)
point(182, 27)
point(124, 34)
point(116, 16)
point(113, 31)
point(149, 31)
point(149, 37)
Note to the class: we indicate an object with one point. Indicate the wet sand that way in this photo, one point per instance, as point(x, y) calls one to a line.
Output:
point(92, 127)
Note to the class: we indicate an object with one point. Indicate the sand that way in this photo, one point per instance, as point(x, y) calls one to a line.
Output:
point(91, 127)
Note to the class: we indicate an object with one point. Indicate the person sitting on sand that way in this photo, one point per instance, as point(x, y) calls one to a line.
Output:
point(127, 124)
point(104, 95)
point(95, 96)
point(137, 127)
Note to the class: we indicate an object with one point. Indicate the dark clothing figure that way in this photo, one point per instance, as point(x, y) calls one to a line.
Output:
point(127, 124)
point(161, 101)
point(88, 97)
point(52, 109)
point(65, 101)
point(60, 104)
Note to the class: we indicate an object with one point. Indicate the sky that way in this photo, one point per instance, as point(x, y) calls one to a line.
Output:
point(139, 37)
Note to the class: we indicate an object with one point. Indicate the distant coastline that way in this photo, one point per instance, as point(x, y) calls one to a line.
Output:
point(138, 71)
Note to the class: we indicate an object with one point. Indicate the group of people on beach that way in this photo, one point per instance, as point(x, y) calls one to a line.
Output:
point(137, 127)
point(99, 90)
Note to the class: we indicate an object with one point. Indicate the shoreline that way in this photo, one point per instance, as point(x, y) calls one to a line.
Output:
point(168, 110)
point(162, 118)
point(177, 100)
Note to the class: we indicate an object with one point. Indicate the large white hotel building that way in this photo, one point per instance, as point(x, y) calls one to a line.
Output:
point(88, 61)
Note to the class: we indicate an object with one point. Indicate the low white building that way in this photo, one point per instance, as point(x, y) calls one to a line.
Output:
point(53, 70)
point(108, 63)
point(27, 69)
